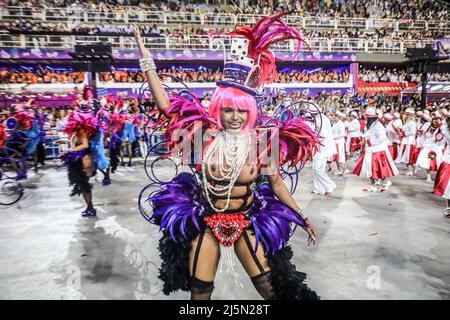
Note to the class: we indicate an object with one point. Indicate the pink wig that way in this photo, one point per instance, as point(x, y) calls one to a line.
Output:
point(234, 98)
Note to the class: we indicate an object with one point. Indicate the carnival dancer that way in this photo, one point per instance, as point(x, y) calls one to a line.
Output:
point(423, 124)
point(128, 136)
point(116, 124)
point(397, 136)
point(18, 139)
point(41, 120)
point(442, 182)
point(409, 141)
point(199, 221)
point(432, 146)
point(375, 161)
point(354, 134)
point(86, 154)
point(391, 135)
point(327, 149)
point(338, 130)
point(138, 123)
point(34, 134)
point(103, 119)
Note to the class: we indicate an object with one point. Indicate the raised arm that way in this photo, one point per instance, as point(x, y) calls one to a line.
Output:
point(149, 68)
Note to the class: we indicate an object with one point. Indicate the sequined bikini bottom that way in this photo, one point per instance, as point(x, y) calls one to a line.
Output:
point(227, 227)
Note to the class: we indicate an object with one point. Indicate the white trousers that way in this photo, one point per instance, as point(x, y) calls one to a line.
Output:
point(143, 148)
point(322, 182)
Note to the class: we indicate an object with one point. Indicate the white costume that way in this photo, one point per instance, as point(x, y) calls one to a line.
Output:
point(338, 130)
point(409, 142)
point(442, 182)
point(421, 128)
point(354, 135)
point(376, 162)
point(433, 143)
point(322, 182)
point(394, 131)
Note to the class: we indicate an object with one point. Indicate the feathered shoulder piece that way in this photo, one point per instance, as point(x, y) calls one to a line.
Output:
point(80, 123)
point(116, 122)
point(296, 140)
point(186, 119)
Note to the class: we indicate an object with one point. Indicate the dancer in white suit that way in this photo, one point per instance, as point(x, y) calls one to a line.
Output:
point(338, 130)
point(322, 182)
point(442, 183)
point(409, 141)
point(375, 162)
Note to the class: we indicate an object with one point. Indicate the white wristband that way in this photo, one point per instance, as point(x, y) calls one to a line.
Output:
point(147, 64)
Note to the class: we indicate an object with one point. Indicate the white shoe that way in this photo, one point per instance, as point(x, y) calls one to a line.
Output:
point(370, 189)
point(409, 174)
point(429, 180)
point(386, 186)
point(447, 213)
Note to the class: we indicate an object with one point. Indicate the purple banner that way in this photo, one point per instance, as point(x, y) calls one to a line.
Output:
point(41, 100)
point(13, 53)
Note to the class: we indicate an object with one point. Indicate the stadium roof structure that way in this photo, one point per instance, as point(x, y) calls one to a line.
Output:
point(433, 88)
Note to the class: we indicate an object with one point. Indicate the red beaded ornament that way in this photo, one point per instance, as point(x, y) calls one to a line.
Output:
point(227, 227)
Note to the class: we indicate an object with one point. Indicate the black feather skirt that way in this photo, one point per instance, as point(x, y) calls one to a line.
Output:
point(78, 178)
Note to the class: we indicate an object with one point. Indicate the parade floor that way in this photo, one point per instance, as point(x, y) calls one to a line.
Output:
point(392, 245)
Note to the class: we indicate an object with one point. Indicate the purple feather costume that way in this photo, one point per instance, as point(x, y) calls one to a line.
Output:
point(179, 209)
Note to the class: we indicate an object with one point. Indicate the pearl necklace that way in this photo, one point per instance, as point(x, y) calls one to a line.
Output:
point(234, 149)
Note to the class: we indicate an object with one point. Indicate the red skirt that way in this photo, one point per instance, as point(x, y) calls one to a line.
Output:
point(358, 166)
point(415, 154)
point(394, 150)
point(381, 167)
point(355, 144)
point(442, 179)
point(412, 153)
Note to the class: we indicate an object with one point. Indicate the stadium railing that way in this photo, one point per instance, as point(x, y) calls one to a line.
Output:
point(139, 15)
point(43, 41)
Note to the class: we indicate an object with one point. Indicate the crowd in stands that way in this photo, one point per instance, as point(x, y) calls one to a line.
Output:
point(201, 74)
point(45, 74)
point(394, 75)
point(209, 75)
point(39, 75)
point(183, 32)
point(391, 9)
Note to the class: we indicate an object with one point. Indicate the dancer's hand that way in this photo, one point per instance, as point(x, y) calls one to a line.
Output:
point(137, 34)
point(312, 234)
